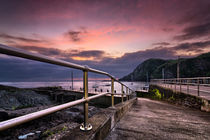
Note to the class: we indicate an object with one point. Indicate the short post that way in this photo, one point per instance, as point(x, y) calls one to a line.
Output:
point(180, 84)
point(167, 83)
point(85, 126)
point(198, 82)
point(122, 92)
point(127, 92)
point(175, 85)
point(187, 86)
point(112, 90)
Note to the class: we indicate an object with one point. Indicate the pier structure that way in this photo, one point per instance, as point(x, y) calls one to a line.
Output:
point(131, 118)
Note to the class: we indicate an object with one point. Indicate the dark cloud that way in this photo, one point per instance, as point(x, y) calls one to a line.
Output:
point(197, 14)
point(67, 54)
point(75, 36)
point(90, 53)
point(192, 47)
point(196, 21)
point(194, 32)
point(17, 38)
point(161, 44)
point(41, 50)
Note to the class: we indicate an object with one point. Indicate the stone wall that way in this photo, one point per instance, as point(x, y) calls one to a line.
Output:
point(179, 98)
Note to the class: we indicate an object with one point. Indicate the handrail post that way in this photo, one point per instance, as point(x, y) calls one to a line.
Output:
point(122, 93)
point(127, 92)
point(198, 82)
point(112, 90)
point(180, 84)
point(168, 83)
point(187, 86)
point(85, 126)
point(175, 85)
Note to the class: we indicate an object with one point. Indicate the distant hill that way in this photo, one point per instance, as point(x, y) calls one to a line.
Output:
point(189, 67)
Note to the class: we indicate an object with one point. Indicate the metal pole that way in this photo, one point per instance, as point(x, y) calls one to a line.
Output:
point(187, 86)
point(177, 76)
point(180, 84)
point(175, 85)
point(178, 63)
point(127, 92)
point(85, 126)
point(163, 73)
point(122, 92)
point(167, 83)
point(72, 81)
point(198, 82)
point(112, 90)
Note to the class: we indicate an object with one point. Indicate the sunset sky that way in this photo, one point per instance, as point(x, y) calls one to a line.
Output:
point(110, 35)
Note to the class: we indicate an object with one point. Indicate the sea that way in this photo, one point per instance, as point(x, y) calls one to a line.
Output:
point(102, 86)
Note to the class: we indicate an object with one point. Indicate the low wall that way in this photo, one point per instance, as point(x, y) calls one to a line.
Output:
point(102, 123)
point(166, 94)
point(63, 96)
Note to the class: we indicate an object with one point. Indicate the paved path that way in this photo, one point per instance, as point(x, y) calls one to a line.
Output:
point(149, 119)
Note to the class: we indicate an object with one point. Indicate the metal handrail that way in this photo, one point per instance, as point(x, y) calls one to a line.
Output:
point(37, 57)
point(32, 56)
point(185, 82)
point(32, 116)
point(184, 78)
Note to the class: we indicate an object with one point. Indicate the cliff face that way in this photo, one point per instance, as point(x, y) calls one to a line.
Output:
point(192, 67)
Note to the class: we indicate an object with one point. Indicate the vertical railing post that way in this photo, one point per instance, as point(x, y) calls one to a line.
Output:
point(122, 92)
point(198, 82)
point(85, 126)
point(112, 90)
point(167, 83)
point(175, 85)
point(187, 86)
point(180, 84)
point(127, 92)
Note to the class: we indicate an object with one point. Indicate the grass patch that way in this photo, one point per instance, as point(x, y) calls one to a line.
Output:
point(157, 94)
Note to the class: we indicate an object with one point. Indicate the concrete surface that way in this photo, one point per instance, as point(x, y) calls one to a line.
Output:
point(102, 123)
point(149, 119)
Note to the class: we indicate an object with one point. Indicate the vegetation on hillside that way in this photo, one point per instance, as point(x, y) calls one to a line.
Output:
point(189, 67)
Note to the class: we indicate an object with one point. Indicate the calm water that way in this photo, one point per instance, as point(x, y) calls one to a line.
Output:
point(77, 85)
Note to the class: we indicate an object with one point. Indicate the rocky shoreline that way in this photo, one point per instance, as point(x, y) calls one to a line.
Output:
point(12, 98)
point(15, 102)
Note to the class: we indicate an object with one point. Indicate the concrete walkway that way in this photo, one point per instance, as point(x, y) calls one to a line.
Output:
point(149, 119)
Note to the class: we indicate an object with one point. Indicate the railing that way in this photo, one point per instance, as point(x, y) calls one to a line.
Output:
point(196, 85)
point(32, 116)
